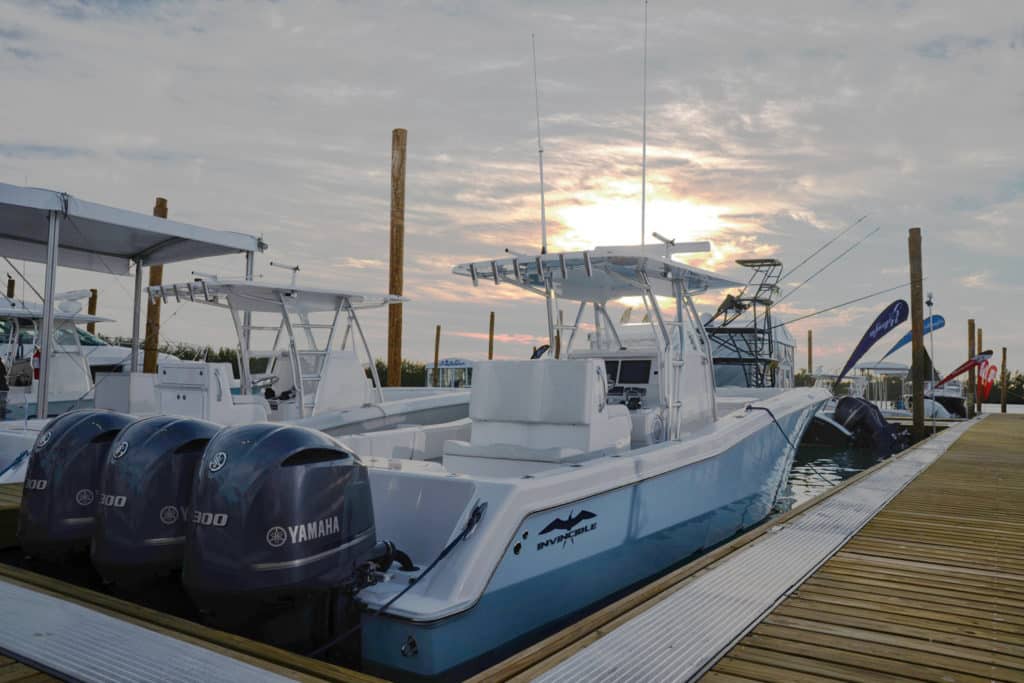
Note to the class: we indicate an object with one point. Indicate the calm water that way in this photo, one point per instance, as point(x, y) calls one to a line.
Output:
point(818, 468)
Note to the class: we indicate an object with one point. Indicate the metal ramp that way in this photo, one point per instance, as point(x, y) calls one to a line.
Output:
point(81, 644)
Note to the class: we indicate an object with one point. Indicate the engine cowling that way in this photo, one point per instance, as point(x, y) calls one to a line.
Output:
point(281, 520)
point(145, 488)
point(59, 496)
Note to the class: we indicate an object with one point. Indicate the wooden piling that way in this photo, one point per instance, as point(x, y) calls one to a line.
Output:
point(1005, 379)
point(156, 278)
point(977, 390)
point(970, 373)
point(93, 296)
point(917, 330)
point(396, 265)
point(437, 355)
point(810, 353)
point(10, 287)
point(490, 338)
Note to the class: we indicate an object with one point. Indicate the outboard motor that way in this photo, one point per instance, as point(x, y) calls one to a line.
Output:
point(59, 497)
point(145, 489)
point(281, 530)
point(870, 428)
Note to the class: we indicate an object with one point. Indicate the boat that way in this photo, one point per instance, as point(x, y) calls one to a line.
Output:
point(586, 471)
point(305, 376)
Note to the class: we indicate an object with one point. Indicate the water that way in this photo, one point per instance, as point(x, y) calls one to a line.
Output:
point(816, 469)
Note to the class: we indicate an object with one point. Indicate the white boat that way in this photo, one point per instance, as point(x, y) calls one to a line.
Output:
point(582, 476)
point(302, 375)
point(599, 470)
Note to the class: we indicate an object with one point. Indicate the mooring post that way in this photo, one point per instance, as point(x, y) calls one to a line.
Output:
point(977, 391)
point(490, 338)
point(917, 329)
point(93, 295)
point(10, 287)
point(1005, 378)
point(156, 278)
point(437, 355)
point(810, 353)
point(397, 256)
point(970, 374)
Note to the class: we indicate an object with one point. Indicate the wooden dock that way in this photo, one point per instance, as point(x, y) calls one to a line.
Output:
point(931, 589)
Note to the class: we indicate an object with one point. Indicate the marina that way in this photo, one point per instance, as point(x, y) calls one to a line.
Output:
point(538, 418)
point(907, 580)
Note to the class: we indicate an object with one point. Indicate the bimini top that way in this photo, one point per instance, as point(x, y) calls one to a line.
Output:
point(601, 274)
point(12, 308)
point(103, 238)
point(268, 297)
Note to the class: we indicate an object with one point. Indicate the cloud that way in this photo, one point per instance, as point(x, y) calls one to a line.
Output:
point(770, 129)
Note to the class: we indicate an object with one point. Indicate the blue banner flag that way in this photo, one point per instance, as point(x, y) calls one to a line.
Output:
point(935, 322)
point(893, 315)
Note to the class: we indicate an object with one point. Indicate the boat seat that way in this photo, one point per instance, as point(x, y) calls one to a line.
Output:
point(548, 411)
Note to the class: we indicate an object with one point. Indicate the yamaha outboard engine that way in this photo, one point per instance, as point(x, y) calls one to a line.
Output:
point(145, 489)
point(870, 428)
point(281, 527)
point(59, 497)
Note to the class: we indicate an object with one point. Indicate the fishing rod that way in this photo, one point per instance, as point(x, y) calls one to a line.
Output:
point(826, 266)
point(540, 152)
point(643, 172)
point(847, 303)
point(817, 251)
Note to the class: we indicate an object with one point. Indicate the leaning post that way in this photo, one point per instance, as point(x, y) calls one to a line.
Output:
point(917, 329)
point(396, 264)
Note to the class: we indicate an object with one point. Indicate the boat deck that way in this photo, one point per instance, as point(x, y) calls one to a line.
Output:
point(913, 569)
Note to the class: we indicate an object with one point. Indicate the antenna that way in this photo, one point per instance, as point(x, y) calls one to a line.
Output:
point(540, 153)
point(643, 172)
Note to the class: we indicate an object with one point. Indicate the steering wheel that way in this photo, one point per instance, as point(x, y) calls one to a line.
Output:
point(265, 382)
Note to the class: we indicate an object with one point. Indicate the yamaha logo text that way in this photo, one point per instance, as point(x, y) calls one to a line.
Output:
point(277, 536)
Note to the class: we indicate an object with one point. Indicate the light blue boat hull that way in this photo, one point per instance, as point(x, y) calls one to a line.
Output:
point(636, 533)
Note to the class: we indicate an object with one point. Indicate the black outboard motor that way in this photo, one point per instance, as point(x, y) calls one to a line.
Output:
point(59, 496)
point(281, 528)
point(870, 428)
point(145, 489)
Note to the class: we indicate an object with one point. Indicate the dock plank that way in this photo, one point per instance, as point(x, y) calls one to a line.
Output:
point(931, 589)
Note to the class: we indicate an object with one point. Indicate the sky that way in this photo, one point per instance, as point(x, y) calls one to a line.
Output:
point(770, 130)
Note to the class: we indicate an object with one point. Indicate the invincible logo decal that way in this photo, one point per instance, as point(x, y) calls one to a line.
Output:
point(570, 526)
point(84, 497)
point(218, 461)
point(121, 449)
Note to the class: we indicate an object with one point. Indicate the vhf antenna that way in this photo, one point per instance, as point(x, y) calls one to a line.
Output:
point(540, 153)
point(643, 172)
